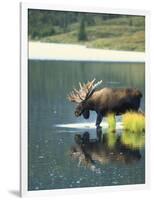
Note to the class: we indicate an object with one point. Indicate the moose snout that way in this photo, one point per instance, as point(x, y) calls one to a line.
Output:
point(77, 113)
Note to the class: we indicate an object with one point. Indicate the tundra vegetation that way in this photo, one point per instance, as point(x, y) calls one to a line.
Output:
point(107, 31)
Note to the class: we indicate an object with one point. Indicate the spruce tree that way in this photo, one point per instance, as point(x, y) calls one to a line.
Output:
point(82, 36)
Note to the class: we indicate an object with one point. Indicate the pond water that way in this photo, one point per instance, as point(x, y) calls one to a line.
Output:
point(57, 139)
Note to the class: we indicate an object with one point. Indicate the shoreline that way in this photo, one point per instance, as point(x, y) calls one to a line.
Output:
point(75, 52)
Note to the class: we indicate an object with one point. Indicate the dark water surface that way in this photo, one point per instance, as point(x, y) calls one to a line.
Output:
point(54, 153)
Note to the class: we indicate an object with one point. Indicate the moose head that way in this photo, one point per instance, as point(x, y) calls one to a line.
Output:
point(81, 97)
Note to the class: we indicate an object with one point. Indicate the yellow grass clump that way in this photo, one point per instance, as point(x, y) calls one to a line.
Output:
point(111, 122)
point(134, 122)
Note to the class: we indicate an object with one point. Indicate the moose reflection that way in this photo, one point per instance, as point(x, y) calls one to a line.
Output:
point(106, 148)
point(104, 101)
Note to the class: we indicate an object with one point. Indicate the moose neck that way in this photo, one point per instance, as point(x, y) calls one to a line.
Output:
point(89, 104)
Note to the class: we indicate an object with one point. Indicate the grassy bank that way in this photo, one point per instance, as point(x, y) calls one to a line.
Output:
point(118, 33)
point(118, 37)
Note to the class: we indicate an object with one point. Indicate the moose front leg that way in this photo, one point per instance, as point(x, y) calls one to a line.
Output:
point(99, 119)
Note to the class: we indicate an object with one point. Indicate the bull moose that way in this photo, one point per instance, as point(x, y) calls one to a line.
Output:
point(104, 101)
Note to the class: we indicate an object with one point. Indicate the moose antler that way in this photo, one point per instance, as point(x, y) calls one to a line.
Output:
point(84, 92)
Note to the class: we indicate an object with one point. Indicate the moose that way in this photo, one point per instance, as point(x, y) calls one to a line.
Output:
point(104, 101)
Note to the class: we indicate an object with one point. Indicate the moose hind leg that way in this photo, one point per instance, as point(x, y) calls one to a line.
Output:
point(99, 119)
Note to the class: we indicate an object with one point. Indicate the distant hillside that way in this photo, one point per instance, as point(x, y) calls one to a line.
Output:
point(107, 31)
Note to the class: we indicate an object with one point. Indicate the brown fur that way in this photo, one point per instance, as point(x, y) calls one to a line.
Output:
point(107, 100)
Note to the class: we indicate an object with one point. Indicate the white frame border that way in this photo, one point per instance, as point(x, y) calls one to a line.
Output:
point(24, 98)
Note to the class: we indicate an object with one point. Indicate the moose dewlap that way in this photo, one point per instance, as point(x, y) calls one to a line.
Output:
point(134, 122)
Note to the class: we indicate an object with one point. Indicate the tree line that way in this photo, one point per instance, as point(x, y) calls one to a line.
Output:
point(42, 23)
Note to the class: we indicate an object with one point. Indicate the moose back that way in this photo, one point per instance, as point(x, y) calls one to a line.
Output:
point(104, 101)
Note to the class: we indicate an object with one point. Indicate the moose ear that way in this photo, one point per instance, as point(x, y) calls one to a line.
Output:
point(86, 114)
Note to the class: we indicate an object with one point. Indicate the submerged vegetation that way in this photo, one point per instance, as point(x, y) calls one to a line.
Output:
point(107, 31)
